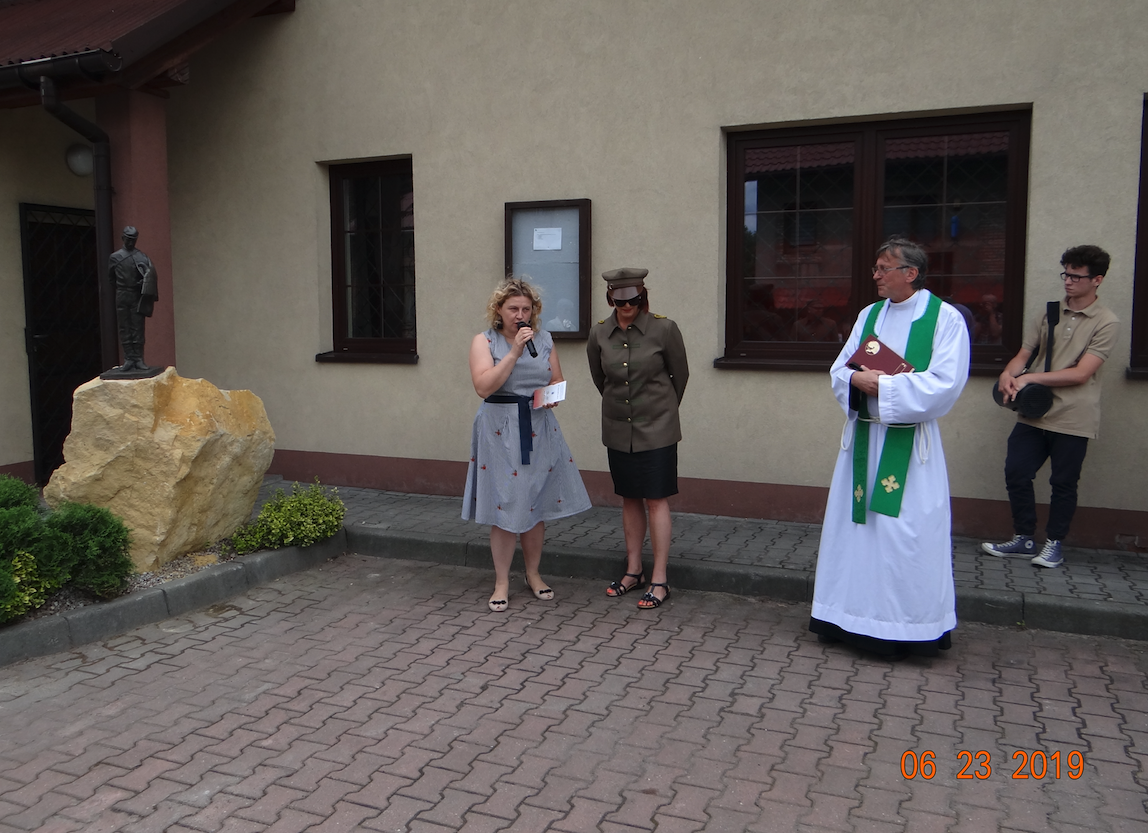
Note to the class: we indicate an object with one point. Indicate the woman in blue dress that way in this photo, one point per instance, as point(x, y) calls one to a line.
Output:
point(521, 471)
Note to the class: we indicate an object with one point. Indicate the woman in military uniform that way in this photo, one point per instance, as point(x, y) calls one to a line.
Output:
point(638, 362)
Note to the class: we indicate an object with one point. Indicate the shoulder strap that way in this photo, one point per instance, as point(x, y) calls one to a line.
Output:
point(1052, 313)
point(1053, 319)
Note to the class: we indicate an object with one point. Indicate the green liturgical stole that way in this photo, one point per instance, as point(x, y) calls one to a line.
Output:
point(893, 466)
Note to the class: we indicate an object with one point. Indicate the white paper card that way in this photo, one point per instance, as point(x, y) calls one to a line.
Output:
point(549, 395)
point(548, 239)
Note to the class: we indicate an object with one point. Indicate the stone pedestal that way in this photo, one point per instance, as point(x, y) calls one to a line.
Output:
point(180, 460)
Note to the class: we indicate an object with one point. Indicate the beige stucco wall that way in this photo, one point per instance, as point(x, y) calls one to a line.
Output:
point(32, 170)
point(623, 102)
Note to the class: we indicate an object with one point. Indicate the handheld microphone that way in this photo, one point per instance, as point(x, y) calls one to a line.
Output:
point(530, 343)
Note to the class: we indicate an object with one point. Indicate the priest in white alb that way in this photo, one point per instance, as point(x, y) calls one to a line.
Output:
point(884, 570)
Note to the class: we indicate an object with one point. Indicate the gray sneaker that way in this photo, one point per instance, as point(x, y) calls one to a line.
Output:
point(1049, 556)
point(1019, 545)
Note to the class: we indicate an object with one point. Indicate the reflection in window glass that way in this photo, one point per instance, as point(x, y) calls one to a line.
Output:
point(798, 242)
point(379, 257)
point(552, 268)
point(949, 193)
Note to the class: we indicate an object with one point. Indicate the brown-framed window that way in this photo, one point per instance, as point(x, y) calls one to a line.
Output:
point(1138, 362)
point(372, 262)
point(808, 207)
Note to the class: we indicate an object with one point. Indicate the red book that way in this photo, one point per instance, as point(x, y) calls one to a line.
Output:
point(877, 356)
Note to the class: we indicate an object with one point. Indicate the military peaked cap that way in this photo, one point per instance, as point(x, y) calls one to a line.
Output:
point(626, 276)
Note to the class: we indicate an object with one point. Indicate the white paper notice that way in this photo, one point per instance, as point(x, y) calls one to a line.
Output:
point(547, 239)
point(549, 395)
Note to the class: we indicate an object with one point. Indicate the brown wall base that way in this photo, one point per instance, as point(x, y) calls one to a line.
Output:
point(391, 474)
point(24, 471)
point(988, 519)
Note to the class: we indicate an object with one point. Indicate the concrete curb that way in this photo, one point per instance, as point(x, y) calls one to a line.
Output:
point(993, 607)
point(207, 587)
point(412, 546)
point(1087, 616)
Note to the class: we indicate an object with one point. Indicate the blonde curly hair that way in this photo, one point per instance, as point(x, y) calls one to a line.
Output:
point(512, 287)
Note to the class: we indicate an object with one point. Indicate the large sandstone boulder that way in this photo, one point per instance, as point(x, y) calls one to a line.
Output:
point(180, 460)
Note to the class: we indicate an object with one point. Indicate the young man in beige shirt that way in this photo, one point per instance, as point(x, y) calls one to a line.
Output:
point(1083, 340)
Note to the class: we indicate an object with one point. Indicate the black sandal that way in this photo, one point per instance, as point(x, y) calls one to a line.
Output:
point(649, 601)
point(616, 588)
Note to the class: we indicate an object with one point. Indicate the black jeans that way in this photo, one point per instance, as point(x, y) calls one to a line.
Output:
point(1028, 448)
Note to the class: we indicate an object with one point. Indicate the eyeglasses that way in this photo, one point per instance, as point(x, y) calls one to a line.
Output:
point(636, 301)
point(885, 270)
point(1068, 276)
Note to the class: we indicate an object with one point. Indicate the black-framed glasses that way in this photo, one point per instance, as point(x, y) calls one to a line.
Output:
point(885, 270)
point(636, 301)
point(1068, 276)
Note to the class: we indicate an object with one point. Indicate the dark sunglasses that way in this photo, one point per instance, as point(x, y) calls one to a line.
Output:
point(636, 301)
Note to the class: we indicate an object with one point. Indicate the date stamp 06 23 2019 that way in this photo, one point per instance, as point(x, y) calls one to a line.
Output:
point(978, 765)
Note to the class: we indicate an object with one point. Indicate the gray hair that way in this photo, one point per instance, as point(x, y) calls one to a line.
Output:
point(910, 254)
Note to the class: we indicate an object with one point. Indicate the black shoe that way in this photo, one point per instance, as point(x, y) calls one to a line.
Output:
point(649, 601)
point(617, 588)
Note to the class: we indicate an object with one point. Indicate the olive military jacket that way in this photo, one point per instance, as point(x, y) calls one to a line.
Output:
point(641, 373)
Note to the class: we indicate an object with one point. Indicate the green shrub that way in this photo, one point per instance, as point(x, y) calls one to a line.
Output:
point(22, 530)
point(9, 593)
point(20, 526)
point(300, 519)
point(15, 492)
point(100, 562)
point(23, 586)
point(25, 589)
point(55, 553)
point(83, 545)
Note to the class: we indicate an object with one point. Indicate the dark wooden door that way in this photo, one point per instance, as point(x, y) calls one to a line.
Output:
point(62, 315)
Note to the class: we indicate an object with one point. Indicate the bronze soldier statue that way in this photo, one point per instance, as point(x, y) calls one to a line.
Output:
point(134, 277)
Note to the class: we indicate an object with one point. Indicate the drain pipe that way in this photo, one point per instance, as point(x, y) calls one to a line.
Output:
point(102, 176)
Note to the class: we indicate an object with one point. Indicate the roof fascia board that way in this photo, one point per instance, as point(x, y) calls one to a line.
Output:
point(148, 36)
point(179, 49)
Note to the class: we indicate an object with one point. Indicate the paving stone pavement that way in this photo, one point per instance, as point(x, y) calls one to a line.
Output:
point(380, 695)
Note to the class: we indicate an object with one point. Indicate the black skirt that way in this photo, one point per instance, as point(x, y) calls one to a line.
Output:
point(891, 649)
point(645, 474)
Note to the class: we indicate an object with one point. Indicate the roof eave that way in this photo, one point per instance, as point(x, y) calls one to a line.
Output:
point(136, 60)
